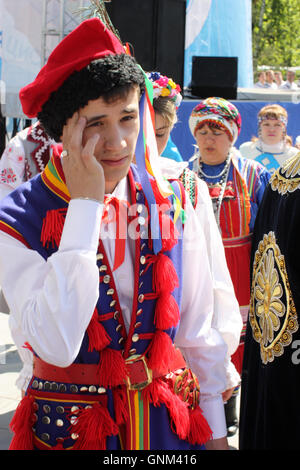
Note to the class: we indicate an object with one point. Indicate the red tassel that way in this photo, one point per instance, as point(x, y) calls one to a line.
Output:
point(178, 411)
point(200, 431)
point(164, 274)
point(21, 425)
point(98, 337)
point(52, 228)
point(161, 352)
point(166, 312)
point(93, 425)
point(151, 392)
point(157, 393)
point(120, 405)
point(112, 368)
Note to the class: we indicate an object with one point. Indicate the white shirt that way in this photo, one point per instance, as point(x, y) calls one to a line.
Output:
point(280, 151)
point(52, 301)
point(259, 85)
point(272, 85)
point(289, 86)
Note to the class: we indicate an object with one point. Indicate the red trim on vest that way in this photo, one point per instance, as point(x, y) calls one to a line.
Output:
point(13, 233)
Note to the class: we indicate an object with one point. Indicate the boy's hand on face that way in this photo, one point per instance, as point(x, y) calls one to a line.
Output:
point(84, 174)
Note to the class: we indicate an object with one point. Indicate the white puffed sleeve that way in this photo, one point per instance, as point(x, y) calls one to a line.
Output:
point(51, 302)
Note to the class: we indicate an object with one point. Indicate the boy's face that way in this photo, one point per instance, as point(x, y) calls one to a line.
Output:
point(117, 124)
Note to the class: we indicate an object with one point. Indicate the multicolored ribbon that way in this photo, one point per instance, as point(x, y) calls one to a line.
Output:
point(147, 159)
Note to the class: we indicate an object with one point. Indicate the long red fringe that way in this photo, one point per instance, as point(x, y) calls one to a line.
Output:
point(112, 368)
point(21, 425)
point(93, 425)
point(159, 393)
point(120, 405)
point(187, 423)
point(98, 336)
point(52, 228)
point(178, 411)
point(151, 392)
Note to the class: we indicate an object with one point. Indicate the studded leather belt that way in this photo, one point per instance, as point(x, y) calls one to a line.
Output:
point(139, 375)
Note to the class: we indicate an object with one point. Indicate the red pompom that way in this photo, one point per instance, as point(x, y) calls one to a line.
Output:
point(164, 274)
point(166, 312)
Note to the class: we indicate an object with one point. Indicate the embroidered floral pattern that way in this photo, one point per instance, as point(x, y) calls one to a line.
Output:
point(267, 293)
point(287, 179)
point(8, 176)
point(272, 315)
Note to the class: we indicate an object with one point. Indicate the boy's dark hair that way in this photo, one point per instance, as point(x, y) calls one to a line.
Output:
point(109, 78)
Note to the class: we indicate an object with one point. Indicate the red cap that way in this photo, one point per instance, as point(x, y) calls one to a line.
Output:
point(89, 41)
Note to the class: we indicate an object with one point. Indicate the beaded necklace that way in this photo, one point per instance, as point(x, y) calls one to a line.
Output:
point(223, 175)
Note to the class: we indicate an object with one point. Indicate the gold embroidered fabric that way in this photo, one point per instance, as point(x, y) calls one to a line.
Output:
point(287, 178)
point(272, 315)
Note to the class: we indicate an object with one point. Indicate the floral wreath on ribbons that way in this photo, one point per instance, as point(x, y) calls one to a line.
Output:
point(218, 110)
point(166, 87)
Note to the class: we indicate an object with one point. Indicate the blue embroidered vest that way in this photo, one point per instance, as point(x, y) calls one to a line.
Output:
point(22, 215)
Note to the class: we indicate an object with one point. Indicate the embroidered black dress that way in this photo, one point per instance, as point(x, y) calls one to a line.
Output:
point(270, 394)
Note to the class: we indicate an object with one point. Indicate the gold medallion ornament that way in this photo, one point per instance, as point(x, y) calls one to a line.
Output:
point(272, 315)
point(287, 178)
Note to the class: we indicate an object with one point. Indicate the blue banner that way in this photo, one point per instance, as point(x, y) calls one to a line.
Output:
point(220, 28)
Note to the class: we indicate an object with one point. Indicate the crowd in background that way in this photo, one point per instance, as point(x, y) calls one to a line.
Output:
point(275, 80)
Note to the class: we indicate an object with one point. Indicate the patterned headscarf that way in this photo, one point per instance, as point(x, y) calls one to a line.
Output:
point(216, 110)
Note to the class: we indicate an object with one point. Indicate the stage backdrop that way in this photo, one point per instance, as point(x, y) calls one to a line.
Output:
point(184, 140)
point(219, 28)
point(21, 39)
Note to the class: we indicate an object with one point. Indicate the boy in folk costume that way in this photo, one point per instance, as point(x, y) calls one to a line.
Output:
point(101, 300)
